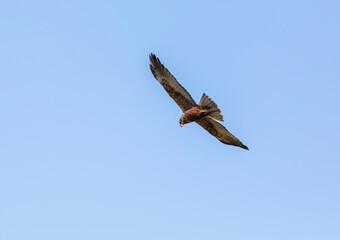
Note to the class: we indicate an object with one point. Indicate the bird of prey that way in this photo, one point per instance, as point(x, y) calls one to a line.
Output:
point(203, 113)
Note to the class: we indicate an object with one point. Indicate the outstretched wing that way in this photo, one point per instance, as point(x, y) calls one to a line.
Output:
point(220, 132)
point(170, 84)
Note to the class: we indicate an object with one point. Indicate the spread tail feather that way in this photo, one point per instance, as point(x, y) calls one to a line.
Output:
point(208, 105)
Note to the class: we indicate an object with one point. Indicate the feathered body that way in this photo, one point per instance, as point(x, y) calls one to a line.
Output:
point(206, 107)
point(191, 115)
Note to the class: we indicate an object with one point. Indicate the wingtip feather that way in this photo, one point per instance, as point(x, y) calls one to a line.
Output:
point(244, 147)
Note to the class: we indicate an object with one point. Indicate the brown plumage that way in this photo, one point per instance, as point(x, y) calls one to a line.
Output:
point(191, 115)
point(202, 113)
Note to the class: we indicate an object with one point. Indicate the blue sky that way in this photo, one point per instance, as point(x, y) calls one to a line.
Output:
point(90, 142)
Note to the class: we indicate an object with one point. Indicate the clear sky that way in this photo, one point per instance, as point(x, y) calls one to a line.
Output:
point(91, 147)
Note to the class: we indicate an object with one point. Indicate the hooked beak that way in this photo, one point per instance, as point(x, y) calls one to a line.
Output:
point(181, 124)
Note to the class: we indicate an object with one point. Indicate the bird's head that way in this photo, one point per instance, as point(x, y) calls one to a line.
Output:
point(180, 122)
point(183, 120)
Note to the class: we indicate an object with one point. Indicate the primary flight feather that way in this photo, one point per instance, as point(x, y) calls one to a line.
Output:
point(202, 113)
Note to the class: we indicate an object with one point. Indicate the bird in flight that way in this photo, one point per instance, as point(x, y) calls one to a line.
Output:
point(203, 113)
